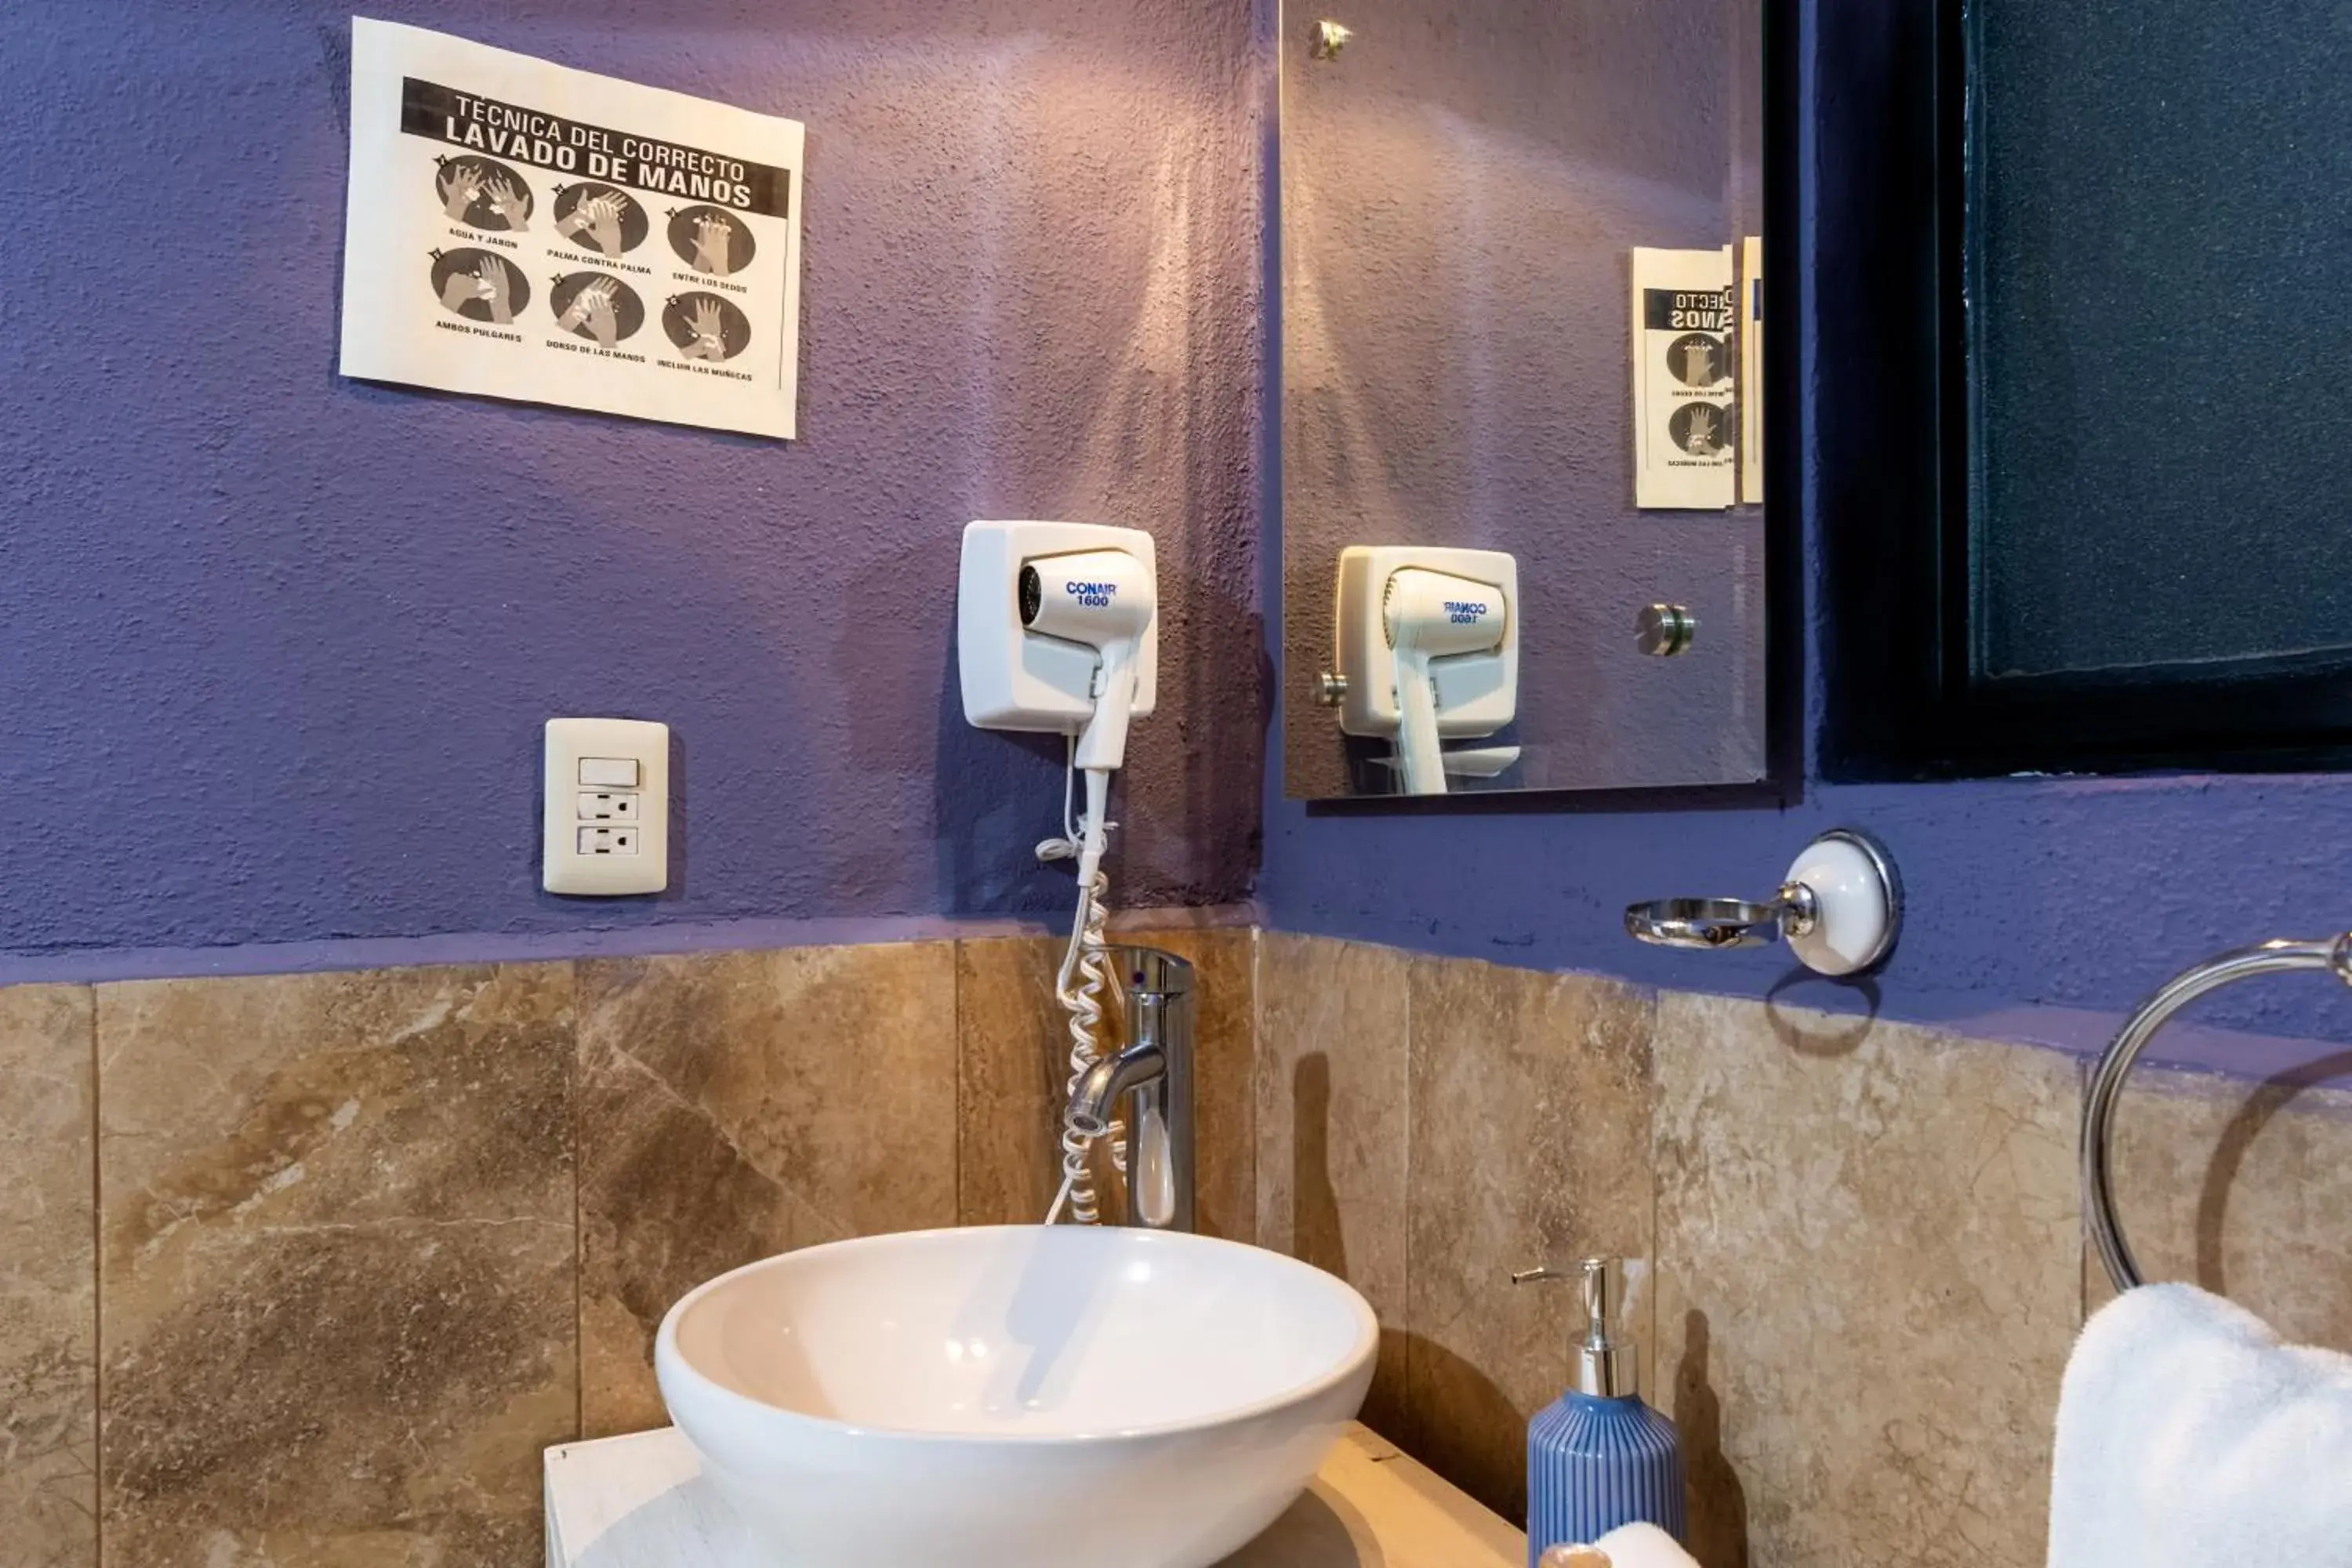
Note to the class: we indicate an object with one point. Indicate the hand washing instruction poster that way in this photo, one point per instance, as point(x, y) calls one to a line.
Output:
point(1686, 403)
point(528, 231)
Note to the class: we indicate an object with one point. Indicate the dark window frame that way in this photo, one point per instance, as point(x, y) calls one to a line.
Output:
point(1894, 442)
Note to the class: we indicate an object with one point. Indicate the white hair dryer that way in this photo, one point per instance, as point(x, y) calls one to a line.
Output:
point(1429, 651)
point(1104, 599)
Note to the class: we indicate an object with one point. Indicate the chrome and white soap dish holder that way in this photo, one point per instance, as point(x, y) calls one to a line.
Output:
point(1840, 908)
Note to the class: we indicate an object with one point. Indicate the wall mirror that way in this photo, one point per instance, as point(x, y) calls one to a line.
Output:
point(1479, 395)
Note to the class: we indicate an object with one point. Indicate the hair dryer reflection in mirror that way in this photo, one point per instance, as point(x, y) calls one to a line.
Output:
point(1429, 650)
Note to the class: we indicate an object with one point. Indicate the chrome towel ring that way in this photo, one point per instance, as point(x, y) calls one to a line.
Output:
point(2333, 954)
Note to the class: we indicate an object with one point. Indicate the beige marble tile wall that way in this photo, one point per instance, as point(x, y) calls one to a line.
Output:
point(336, 1264)
point(1869, 1280)
point(1864, 1267)
point(303, 1271)
point(49, 1277)
point(1426, 1126)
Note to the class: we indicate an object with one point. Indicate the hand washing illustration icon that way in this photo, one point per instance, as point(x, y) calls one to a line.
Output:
point(479, 286)
point(600, 218)
point(706, 327)
point(1702, 429)
point(1697, 359)
point(484, 194)
point(710, 240)
point(596, 306)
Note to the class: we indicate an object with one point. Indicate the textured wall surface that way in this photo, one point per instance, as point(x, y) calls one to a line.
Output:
point(2039, 910)
point(2040, 907)
point(275, 646)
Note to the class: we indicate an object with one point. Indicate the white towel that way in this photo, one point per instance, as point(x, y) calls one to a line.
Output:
point(1642, 1546)
point(2190, 1437)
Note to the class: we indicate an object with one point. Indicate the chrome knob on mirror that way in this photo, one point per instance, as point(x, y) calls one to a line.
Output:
point(1665, 630)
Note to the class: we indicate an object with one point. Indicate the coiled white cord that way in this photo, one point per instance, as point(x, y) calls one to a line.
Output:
point(1083, 984)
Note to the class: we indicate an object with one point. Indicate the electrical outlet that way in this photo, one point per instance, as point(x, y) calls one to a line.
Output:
point(608, 841)
point(606, 808)
point(611, 805)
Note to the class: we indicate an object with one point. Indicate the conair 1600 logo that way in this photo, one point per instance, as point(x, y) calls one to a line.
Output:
point(1093, 595)
point(1461, 612)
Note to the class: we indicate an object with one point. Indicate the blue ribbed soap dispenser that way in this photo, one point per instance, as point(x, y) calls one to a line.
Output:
point(1598, 1456)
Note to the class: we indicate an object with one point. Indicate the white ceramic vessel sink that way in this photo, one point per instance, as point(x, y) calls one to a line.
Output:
point(1015, 1397)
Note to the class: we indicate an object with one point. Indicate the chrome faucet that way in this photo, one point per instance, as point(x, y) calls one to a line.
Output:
point(1154, 1077)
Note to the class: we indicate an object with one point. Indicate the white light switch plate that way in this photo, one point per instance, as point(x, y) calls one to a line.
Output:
point(606, 807)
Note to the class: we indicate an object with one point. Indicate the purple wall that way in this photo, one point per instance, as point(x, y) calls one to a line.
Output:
point(2040, 907)
point(275, 646)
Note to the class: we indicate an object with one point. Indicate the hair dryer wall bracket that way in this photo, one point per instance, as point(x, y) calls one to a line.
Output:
point(1051, 619)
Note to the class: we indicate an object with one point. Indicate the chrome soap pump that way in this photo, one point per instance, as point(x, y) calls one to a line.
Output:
point(1598, 1456)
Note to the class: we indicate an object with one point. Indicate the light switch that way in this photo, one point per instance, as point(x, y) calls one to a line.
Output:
point(609, 773)
point(611, 837)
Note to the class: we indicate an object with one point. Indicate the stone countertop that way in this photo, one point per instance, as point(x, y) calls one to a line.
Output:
point(623, 1503)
